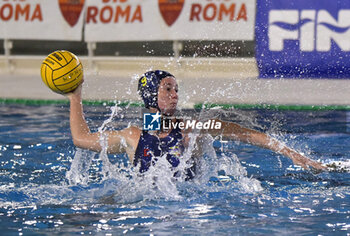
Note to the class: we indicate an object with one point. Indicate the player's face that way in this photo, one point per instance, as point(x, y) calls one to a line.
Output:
point(167, 95)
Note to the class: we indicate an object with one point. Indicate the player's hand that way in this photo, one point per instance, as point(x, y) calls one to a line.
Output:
point(306, 163)
point(76, 94)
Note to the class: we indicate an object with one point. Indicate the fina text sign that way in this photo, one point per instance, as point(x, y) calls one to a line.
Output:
point(303, 39)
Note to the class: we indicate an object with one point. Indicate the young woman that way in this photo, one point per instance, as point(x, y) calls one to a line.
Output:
point(159, 91)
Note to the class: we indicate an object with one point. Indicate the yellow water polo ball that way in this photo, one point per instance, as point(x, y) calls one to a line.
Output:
point(62, 71)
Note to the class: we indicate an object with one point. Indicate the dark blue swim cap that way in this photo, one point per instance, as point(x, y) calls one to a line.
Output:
point(148, 86)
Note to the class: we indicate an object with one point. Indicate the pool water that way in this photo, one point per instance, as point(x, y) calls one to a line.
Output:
point(50, 187)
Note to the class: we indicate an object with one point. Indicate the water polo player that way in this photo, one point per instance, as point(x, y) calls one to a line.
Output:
point(159, 91)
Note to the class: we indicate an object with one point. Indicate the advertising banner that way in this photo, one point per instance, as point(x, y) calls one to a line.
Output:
point(303, 39)
point(139, 20)
point(42, 19)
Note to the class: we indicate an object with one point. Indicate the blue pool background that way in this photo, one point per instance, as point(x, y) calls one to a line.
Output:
point(273, 197)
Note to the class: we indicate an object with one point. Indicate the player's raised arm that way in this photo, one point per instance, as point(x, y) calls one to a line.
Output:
point(62, 72)
point(118, 141)
point(81, 135)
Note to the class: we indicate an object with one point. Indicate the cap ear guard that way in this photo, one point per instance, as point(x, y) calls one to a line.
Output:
point(148, 87)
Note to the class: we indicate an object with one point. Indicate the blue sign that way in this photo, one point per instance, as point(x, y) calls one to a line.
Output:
point(303, 38)
point(151, 121)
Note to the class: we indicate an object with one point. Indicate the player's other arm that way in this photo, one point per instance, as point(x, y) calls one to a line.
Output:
point(234, 131)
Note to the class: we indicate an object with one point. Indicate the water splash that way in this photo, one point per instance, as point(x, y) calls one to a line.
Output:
point(103, 156)
point(123, 183)
point(79, 170)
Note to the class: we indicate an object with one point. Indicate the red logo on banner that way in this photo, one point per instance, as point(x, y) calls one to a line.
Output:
point(170, 10)
point(71, 10)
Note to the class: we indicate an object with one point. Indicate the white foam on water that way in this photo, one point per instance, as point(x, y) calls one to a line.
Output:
point(338, 165)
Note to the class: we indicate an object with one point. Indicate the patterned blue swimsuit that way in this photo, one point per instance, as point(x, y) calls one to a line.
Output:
point(151, 147)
